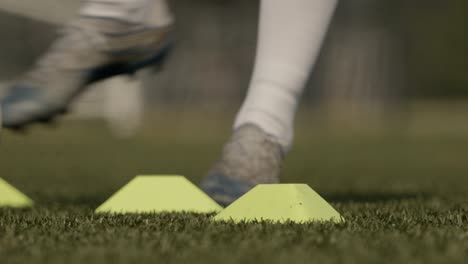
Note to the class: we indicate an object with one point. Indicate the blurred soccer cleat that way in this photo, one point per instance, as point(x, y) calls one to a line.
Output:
point(249, 158)
point(89, 50)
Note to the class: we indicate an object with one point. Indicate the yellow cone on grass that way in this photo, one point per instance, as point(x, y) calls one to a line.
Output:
point(156, 194)
point(11, 197)
point(280, 203)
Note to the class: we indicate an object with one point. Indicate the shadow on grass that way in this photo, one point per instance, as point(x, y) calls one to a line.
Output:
point(93, 201)
point(373, 197)
point(86, 201)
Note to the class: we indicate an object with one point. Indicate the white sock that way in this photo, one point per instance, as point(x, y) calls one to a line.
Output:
point(148, 12)
point(290, 36)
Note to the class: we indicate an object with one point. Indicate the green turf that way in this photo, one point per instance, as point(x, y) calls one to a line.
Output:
point(403, 191)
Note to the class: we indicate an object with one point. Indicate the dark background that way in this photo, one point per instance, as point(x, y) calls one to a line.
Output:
point(404, 49)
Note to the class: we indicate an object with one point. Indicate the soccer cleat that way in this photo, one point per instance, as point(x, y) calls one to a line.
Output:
point(249, 158)
point(89, 50)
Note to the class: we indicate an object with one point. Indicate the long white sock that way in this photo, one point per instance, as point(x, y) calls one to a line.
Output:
point(290, 36)
point(147, 12)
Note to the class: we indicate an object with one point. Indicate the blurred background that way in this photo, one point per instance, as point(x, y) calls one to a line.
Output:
point(386, 105)
point(378, 54)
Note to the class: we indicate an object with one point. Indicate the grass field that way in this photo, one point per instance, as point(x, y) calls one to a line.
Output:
point(403, 189)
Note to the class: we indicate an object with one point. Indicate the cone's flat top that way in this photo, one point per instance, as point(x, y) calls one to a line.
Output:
point(280, 203)
point(11, 197)
point(153, 194)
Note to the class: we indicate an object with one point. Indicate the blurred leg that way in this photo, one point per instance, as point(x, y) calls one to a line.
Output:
point(290, 35)
point(108, 38)
point(289, 41)
point(149, 12)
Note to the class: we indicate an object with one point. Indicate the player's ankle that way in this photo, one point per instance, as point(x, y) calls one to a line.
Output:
point(252, 155)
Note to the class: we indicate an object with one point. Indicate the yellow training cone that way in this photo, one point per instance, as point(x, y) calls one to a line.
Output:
point(280, 203)
point(11, 197)
point(155, 194)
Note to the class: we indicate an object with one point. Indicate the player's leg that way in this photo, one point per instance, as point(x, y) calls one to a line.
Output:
point(109, 37)
point(290, 35)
